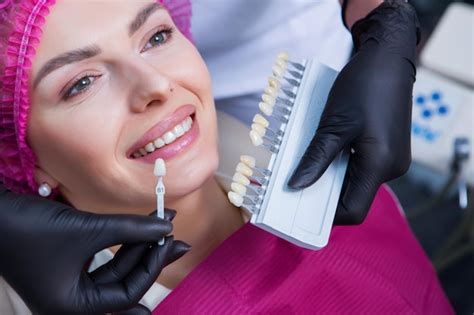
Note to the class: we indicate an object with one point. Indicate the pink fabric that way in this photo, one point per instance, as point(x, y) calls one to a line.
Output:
point(26, 18)
point(17, 161)
point(375, 268)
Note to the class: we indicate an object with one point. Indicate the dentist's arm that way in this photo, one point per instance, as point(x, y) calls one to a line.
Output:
point(44, 247)
point(369, 107)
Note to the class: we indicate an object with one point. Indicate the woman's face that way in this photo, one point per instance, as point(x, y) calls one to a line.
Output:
point(108, 79)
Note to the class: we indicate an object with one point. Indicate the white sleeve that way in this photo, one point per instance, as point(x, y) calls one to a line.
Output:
point(10, 301)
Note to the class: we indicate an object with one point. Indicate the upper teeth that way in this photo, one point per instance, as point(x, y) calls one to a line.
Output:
point(169, 137)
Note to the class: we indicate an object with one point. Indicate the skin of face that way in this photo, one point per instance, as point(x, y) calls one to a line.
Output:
point(81, 142)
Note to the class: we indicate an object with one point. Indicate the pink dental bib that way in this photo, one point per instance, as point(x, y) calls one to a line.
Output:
point(375, 268)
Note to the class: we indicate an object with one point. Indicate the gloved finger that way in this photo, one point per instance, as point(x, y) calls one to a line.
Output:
point(122, 295)
point(137, 310)
point(358, 191)
point(125, 258)
point(118, 267)
point(170, 214)
point(109, 230)
point(324, 147)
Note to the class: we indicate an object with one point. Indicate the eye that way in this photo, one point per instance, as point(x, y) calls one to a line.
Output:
point(79, 86)
point(159, 38)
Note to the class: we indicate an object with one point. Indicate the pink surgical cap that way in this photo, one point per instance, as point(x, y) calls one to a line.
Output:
point(20, 33)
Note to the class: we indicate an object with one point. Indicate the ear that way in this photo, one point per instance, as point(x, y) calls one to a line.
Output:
point(42, 176)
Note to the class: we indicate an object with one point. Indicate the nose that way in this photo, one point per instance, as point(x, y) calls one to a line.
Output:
point(147, 85)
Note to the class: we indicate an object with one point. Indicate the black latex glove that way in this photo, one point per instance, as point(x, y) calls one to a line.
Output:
point(369, 110)
point(44, 247)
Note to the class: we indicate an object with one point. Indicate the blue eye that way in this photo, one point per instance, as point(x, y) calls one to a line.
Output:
point(159, 38)
point(79, 86)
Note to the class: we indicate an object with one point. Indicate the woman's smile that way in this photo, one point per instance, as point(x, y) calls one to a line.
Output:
point(169, 137)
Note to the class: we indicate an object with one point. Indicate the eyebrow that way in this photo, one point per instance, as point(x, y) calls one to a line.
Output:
point(142, 17)
point(93, 50)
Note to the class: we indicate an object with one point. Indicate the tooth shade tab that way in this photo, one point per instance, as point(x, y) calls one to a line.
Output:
point(241, 179)
point(270, 147)
point(284, 101)
point(248, 160)
point(276, 133)
point(244, 169)
point(267, 109)
point(278, 71)
point(235, 199)
point(271, 91)
point(260, 180)
point(238, 188)
point(297, 66)
point(292, 81)
point(272, 140)
point(295, 74)
point(283, 56)
point(263, 171)
point(256, 189)
point(283, 110)
point(259, 119)
point(289, 93)
point(281, 118)
point(259, 129)
point(281, 63)
point(160, 168)
point(269, 99)
point(253, 199)
point(274, 82)
point(255, 138)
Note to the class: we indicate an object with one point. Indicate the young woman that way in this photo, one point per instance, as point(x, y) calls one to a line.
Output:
point(105, 88)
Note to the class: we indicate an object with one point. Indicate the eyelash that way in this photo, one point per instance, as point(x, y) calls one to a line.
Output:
point(167, 31)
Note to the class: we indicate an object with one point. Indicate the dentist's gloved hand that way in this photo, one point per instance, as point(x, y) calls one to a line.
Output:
point(369, 110)
point(44, 247)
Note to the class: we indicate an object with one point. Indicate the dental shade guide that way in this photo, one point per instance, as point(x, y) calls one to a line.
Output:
point(294, 100)
point(160, 171)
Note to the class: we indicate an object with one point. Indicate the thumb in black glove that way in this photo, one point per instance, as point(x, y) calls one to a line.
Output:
point(45, 246)
point(369, 110)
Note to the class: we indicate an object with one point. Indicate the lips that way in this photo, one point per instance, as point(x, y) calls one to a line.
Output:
point(162, 127)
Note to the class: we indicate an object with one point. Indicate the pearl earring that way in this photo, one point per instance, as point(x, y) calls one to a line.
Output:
point(44, 190)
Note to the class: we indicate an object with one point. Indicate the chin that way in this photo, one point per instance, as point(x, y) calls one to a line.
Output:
point(192, 178)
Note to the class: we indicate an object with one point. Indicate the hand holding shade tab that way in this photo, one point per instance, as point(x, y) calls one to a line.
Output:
point(293, 103)
point(160, 171)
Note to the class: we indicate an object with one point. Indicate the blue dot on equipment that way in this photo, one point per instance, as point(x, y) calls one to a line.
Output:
point(436, 96)
point(416, 129)
point(443, 110)
point(427, 113)
point(429, 136)
point(420, 100)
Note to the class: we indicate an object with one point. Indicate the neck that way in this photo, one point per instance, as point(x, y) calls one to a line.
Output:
point(205, 219)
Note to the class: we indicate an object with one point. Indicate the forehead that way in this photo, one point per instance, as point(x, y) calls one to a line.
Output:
point(74, 24)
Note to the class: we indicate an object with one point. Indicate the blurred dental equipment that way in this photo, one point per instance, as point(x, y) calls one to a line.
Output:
point(293, 104)
point(160, 171)
point(443, 97)
point(443, 125)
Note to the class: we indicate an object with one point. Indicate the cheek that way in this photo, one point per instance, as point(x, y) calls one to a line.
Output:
point(70, 147)
point(192, 73)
